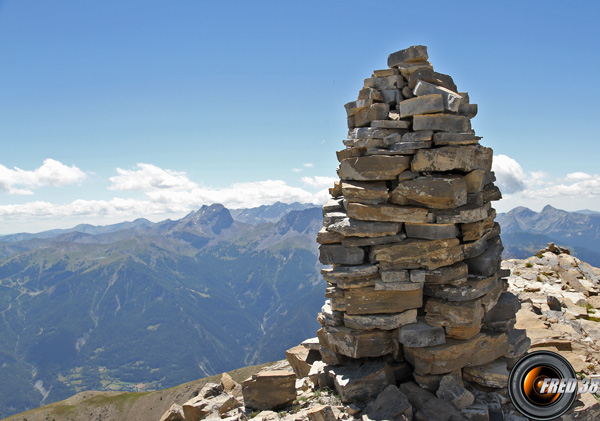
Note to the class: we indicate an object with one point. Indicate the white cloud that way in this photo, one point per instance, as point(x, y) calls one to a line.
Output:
point(148, 177)
point(536, 189)
point(50, 173)
point(318, 181)
point(509, 174)
point(296, 169)
point(308, 165)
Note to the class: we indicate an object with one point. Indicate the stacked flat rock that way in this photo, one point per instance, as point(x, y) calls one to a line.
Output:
point(410, 234)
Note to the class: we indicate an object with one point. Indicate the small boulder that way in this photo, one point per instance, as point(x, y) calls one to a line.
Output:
point(269, 389)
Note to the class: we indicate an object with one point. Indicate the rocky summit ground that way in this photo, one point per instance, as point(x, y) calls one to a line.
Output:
point(560, 311)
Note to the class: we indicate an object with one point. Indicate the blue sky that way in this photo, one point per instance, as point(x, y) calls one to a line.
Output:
point(114, 110)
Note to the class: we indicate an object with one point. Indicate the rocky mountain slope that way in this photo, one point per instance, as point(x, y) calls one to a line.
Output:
point(560, 311)
point(146, 306)
point(524, 232)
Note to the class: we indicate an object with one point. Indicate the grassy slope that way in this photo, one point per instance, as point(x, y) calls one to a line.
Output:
point(129, 406)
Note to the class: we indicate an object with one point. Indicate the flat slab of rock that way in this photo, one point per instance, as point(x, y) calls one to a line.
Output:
point(421, 334)
point(387, 213)
point(450, 158)
point(455, 139)
point(269, 389)
point(362, 382)
point(371, 301)
point(454, 392)
point(416, 53)
point(338, 254)
point(431, 231)
point(380, 321)
point(454, 315)
point(455, 354)
point(415, 254)
point(493, 374)
point(456, 273)
point(356, 343)
point(365, 168)
point(350, 227)
point(441, 122)
point(431, 192)
point(452, 100)
point(365, 192)
point(426, 104)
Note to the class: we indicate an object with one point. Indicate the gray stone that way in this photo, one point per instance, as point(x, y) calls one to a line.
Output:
point(553, 303)
point(327, 237)
point(452, 391)
point(441, 122)
point(337, 254)
point(349, 152)
point(397, 286)
point(391, 124)
point(385, 72)
point(355, 106)
point(421, 334)
point(408, 148)
point(431, 231)
point(174, 413)
point(370, 93)
point(455, 139)
point(385, 83)
point(475, 287)
point(493, 374)
point(452, 100)
point(416, 253)
point(437, 410)
point(333, 205)
point(487, 263)
point(462, 215)
point(366, 241)
point(333, 217)
point(330, 317)
point(416, 395)
point(423, 136)
point(350, 272)
point(461, 320)
point(477, 412)
point(380, 321)
point(395, 276)
point(362, 382)
point(423, 74)
point(371, 132)
point(507, 306)
point(351, 227)
point(373, 167)
point(426, 104)
point(390, 404)
point(518, 343)
point(451, 158)
point(446, 81)
point(415, 53)
point(391, 96)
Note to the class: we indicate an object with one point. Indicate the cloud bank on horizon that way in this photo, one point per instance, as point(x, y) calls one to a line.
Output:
point(171, 193)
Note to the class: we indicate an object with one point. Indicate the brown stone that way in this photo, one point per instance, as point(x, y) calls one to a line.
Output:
point(367, 168)
point(269, 389)
point(371, 241)
point(372, 192)
point(451, 158)
point(321, 413)
point(370, 93)
point(441, 122)
point(370, 301)
point(174, 413)
point(452, 100)
point(385, 213)
point(451, 390)
point(391, 404)
point(415, 254)
point(328, 237)
point(376, 111)
point(431, 192)
point(472, 231)
point(475, 180)
point(298, 359)
point(453, 315)
point(473, 288)
point(385, 82)
point(421, 334)
point(455, 354)
point(423, 74)
point(456, 273)
point(356, 343)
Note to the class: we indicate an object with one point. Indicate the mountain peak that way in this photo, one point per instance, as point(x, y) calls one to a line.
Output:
point(216, 216)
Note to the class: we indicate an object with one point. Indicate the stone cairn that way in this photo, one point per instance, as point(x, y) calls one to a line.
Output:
point(415, 290)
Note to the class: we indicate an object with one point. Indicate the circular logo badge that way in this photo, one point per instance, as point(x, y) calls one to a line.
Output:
point(542, 385)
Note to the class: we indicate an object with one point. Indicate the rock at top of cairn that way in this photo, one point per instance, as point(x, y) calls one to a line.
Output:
point(412, 54)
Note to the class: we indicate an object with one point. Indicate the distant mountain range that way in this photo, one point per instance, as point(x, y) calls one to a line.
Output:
point(524, 232)
point(142, 305)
